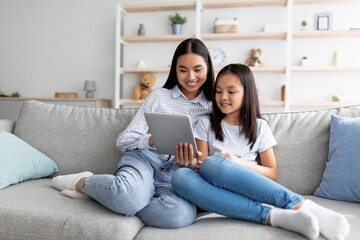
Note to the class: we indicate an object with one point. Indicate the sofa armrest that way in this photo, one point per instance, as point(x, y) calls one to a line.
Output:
point(7, 125)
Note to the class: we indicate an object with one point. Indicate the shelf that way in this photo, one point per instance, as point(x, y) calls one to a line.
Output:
point(216, 69)
point(327, 34)
point(160, 38)
point(140, 70)
point(124, 101)
point(243, 36)
point(298, 2)
point(268, 69)
point(258, 69)
point(207, 4)
point(323, 104)
point(325, 69)
point(261, 69)
point(75, 101)
point(242, 3)
point(153, 7)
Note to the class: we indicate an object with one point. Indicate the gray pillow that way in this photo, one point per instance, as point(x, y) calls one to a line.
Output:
point(76, 138)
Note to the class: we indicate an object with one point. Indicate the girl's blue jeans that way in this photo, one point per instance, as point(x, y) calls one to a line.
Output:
point(230, 189)
point(141, 186)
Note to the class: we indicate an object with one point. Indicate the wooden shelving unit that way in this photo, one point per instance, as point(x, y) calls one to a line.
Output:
point(163, 38)
point(140, 70)
point(323, 104)
point(242, 3)
point(206, 4)
point(325, 69)
point(327, 34)
point(195, 5)
point(243, 36)
point(153, 7)
point(217, 69)
point(298, 2)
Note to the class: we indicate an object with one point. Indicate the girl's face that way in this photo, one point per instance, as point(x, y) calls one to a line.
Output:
point(229, 96)
point(191, 71)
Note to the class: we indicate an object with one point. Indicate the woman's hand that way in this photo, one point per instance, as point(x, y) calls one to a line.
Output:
point(185, 154)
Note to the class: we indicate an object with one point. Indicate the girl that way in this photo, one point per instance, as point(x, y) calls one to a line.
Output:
point(141, 183)
point(230, 182)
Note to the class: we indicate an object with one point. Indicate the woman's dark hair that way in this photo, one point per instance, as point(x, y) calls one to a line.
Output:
point(192, 45)
point(250, 110)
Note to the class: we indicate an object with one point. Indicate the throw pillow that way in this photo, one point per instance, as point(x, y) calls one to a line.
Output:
point(19, 161)
point(341, 177)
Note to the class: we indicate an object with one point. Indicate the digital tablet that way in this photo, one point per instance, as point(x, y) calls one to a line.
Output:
point(168, 130)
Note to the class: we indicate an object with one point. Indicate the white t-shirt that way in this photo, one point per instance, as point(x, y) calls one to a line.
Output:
point(234, 142)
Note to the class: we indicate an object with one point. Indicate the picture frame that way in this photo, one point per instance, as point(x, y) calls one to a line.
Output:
point(323, 21)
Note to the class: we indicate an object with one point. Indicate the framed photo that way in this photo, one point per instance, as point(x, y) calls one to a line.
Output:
point(323, 21)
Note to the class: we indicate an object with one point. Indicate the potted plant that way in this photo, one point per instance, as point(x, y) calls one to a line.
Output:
point(177, 21)
point(304, 62)
point(303, 25)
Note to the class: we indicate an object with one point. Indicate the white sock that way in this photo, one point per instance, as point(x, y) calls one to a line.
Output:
point(303, 222)
point(68, 182)
point(333, 225)
point(74, 194)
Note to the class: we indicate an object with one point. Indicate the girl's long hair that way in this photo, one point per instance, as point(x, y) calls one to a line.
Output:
point(250, 110)
point(192, 45)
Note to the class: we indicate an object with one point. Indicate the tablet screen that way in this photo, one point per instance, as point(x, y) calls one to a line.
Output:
point(168, 130)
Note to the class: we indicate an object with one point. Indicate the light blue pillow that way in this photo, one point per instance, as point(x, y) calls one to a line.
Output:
point(342, 173)
point(19, 161)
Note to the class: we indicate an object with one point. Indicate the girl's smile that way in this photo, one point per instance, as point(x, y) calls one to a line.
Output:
point(230, 97)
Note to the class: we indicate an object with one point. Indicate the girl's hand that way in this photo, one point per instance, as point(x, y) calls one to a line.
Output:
point(234, 158)
point(185, 154)
point(151, 142)
point(198, 164)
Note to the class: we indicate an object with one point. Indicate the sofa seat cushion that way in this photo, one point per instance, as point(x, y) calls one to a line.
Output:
point(216, 227)
point(35, 210)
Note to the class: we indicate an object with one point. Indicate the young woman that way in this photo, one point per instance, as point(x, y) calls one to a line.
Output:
point(141, 183)
point(227, 179)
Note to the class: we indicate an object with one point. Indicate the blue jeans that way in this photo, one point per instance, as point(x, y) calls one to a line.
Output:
point(141, 186)
point(230, 189)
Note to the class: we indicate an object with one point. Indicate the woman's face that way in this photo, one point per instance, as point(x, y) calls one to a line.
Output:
point(191, 71)
point(229, 95)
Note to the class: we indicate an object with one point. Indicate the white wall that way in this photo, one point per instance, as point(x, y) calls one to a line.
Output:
point(54, 46)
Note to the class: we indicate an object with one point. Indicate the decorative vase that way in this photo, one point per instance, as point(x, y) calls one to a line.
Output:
point(177, 28)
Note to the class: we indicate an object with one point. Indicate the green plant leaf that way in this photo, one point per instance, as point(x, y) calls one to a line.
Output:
point(177, 19)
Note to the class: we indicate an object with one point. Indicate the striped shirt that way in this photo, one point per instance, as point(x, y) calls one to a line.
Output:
point(136, 135)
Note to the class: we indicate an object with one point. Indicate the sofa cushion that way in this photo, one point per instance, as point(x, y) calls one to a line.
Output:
point(76, 138)
point(343, 166)
point(20, 162)
point(35, 210)
point(216, 227)
point(303, 145)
